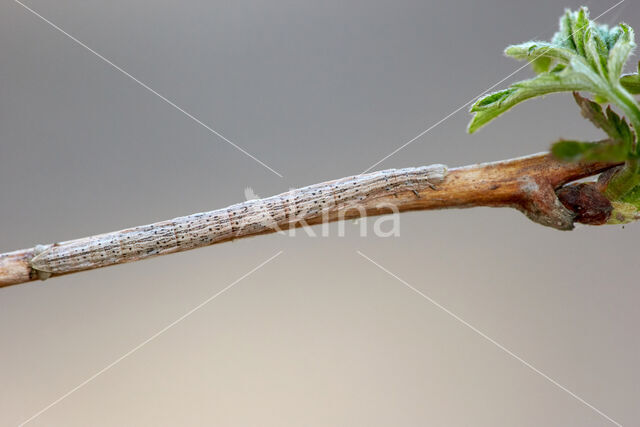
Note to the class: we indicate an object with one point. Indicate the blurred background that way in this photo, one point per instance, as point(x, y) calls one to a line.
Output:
point(319, 336)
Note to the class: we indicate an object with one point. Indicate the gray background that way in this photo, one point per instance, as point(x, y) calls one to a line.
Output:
point(317, 90)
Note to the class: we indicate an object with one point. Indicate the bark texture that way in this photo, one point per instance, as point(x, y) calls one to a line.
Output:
point(527, 183)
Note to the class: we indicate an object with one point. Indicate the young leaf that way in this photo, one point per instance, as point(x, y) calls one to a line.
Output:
point(575, 151)
point(541, 64)
point(579, 28)
point(618, 148)
point(587, 57)
point(537, 49)
point(596, 51)
point(616, 127)
point(619, 53)
point(631, 82)
point(558, 80)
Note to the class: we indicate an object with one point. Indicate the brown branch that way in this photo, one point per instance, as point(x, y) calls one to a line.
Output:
point(528, 184)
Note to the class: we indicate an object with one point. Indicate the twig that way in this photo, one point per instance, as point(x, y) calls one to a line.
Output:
point(527, 183)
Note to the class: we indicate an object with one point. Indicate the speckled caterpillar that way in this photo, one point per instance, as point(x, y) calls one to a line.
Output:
point(339, 199)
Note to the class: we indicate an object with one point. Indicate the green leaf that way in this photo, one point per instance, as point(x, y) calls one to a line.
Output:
point(576, 151)
point(541, 64)
point(596, 51)
point(616, 127)
point(631, 82)
point(494, 104)
point(618, 148)
point(564, 36)
point(536, 49)
point(619, 53)
point(582, 56)
point(578, 26)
